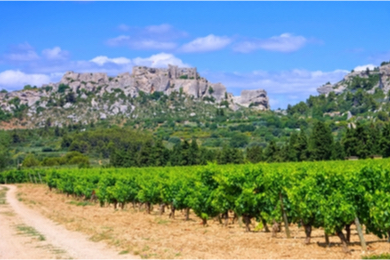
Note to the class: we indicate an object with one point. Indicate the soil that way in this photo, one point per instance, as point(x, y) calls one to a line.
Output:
point(25, 233)
point(153, 235)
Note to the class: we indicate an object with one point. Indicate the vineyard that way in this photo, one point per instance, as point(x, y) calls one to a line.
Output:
point(327, 195)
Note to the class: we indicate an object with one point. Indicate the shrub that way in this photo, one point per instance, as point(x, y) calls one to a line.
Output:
point(30, 161)
point(79, 160)
point(51, 161)
point(62, 88)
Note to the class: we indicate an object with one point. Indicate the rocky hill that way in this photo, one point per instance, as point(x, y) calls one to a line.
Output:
point(86, 97)
point(359, 96)
point(368, 80)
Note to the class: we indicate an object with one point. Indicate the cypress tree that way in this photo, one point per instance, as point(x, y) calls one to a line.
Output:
point(254, 154)
point(385, 141)
point(349, 141)
point(292, 148)
point(272, 152)
point(338, 151)
point(321, 142)
point(193, 153)
point(302, 146)
point(362, 141)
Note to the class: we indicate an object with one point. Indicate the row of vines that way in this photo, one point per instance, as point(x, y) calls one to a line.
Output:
point(328, 195)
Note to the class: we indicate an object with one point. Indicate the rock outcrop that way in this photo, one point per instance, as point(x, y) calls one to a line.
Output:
point(109, 96)
point(382, 81)
point(253, 98)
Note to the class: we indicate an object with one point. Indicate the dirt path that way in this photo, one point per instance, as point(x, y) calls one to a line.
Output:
point(42, 237)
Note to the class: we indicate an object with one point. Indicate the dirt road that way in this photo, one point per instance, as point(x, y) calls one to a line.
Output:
point(25, 233)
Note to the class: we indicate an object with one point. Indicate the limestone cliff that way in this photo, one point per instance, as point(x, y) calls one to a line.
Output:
point(369, 80)
point(98, 96)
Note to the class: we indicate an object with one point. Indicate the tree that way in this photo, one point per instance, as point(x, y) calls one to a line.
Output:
point(302, 146)
point(193, 153)
point(321, 142)
point(385, 141)
point(338, 152)
point(254, 154)
point(30, 161)
point(206, 155)
point(160, 154)
point(362, 141)
point(5, 141)
point(292, 148)
point(373, 142)
point(238, 140)
point(272, 152)
point(176, 155)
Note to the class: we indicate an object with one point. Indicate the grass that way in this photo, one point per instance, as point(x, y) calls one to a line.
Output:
point(101, 236)
point(3, 191)
point(381, 256)
point(162, 221)
point(31, 232)
point(8, 213)
point(53, 249)
point(81, 203)
point(124, 252)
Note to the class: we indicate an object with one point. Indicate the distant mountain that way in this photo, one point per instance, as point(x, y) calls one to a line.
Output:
point(368, 80)
point(361, 95)
point(89, 97)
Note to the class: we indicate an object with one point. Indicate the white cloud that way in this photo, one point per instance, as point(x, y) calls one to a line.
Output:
point(45, 71)
point(124, 27)
point(15, 79)
point(208, 43)
point(273, 102)
point(101, 60)
point(287, 87)
point(153, 37)
point(21, 53)
point(162, 28)
point(141, 44)
point(364, 67)
point(284, 43)
point(160, 60)
point(55, 54)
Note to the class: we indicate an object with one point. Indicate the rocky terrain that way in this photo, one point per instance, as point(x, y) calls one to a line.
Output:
point(80, 97)
point(369, 80)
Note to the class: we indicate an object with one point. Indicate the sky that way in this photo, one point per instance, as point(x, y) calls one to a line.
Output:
point(287, 48)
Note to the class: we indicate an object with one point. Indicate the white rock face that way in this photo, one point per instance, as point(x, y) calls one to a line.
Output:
point(341, 86)
point(325, 89)
point(110, 95)
point(254, 98)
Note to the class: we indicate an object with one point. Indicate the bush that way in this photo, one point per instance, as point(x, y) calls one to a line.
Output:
point(79, 160)
point(62, 88)
point(53, 161)
point(381, 256)
point(30, 161)
point(174, 140)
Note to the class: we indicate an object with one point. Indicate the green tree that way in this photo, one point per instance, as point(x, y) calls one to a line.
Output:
point(254, 154)
point(385, 141)
point(5, 141)
point(302, 146)
point(338, 151)
point(193, 153)
point(238, 140)
point(321, 142)
point(272, 152)
point(30, 161)
point(292, 148)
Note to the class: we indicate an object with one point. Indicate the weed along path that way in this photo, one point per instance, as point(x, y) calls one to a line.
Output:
point(24, 233)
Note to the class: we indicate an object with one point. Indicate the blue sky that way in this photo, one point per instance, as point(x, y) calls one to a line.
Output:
point(287, 48)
